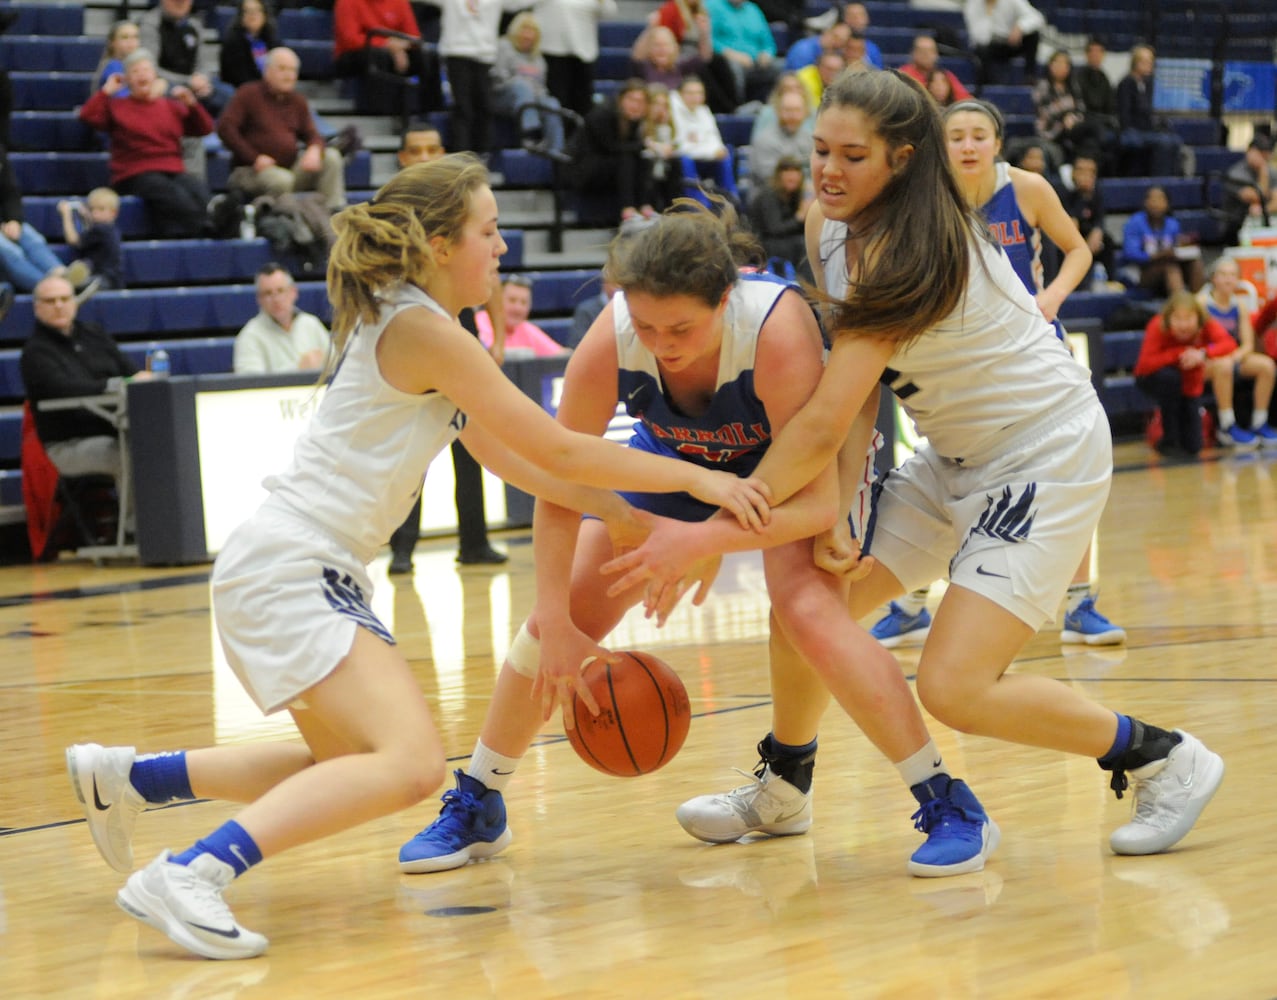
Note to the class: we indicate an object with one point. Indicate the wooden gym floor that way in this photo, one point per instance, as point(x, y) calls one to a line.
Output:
point(602, 894)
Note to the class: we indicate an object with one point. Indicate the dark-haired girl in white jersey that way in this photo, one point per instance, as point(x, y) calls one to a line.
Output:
point(1005, 493)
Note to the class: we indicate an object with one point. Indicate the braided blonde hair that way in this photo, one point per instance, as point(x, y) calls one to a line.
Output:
point(387, 240)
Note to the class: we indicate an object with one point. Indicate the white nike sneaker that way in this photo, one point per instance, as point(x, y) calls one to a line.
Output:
point(769, 804)
point(1169, 796)
point(185, 902)
point(100, 777)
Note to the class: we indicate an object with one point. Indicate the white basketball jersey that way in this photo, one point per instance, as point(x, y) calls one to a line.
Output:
point(987, 373)
point(358, 467)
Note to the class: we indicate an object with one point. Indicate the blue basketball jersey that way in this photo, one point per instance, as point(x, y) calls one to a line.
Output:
point(1021, 241)
point(733, 432)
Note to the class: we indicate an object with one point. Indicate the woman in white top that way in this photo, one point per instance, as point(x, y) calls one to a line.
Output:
point(570, 43)
point(1004, 494)
point(291, 588)
point(1000, 30)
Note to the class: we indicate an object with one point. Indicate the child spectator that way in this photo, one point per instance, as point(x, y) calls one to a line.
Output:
point(700, 144)
point(121, 40)
point(520, 333)
point(661, 147)
point(1182, 348)
point(1151, 245)
point(90, 228)
point(1229, 302)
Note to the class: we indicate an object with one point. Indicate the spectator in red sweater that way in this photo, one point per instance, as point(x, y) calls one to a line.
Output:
point(1182, 348)
point(146, 135)
point(382, 36)
point(263, 126)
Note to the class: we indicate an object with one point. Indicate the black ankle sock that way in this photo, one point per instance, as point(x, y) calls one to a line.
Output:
point(794, 764)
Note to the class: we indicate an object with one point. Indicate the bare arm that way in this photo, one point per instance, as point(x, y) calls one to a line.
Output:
point(1043, 209)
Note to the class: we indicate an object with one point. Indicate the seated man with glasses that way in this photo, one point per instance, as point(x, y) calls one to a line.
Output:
point(66, 357)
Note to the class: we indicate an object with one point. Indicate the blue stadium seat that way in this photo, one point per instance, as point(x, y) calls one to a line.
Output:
point(522, 169)
point(1216, 159)
point(558, 327)
point(1197, 131)
point(51, 131)
point(1121, 350)
point(121, 313)
point(315, 57)
point(36, 54)
point(312, 296)
point(11, 435)
point(735, 129)
point(305, 24)
point(558, 292)
point(1010, 99)
point(1098, 305)
point(34, 91)
point(619, 34)
point(1121, 397)
point(1126, 194)
point(613, 64)
point(10, 487)
point(48, 19)
point(11, 387)
point(59, 173)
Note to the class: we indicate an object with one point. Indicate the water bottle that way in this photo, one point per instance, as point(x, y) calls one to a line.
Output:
point(248, 224)
point(1099, 278)
point(157, 363)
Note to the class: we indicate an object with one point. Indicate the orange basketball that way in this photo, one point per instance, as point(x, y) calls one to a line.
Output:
point(643, 716)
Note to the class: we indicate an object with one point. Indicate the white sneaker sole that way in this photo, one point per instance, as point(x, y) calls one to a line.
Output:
point(1113, 637)
point(458, 859)
point(1207, 784)
point(916, 637)
point(151, 910)
point(791, 828)
point(992, 837)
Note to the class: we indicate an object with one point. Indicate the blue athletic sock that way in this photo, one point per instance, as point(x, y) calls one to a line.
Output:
point(229, 843)
point(162, 777)
point(1121, 743)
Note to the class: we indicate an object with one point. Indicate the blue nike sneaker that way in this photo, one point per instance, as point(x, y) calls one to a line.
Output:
point(960, 834)
point(899, 628)
point(1087, 625)
point(471, 826)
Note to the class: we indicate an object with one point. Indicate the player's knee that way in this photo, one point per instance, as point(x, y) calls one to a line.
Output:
point(524, 656)
point(950, 703)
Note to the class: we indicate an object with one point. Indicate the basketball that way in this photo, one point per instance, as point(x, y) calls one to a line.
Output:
point(643, 716)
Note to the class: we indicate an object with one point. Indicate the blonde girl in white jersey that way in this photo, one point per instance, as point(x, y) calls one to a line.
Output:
point(1004, 495)
point(290, 588)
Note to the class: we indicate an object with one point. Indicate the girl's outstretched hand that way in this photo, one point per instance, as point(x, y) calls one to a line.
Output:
point(666, 565)
point(747, 500)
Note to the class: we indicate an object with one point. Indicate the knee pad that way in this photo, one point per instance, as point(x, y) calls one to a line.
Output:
point(524, 656)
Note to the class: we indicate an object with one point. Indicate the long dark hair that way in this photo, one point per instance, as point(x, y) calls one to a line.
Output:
point(916, 235)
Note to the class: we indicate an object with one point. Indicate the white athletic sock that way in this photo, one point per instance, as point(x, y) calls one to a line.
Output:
point(490, 767)
point(1258, 419)
point(913, 602)
point(1078, 592)
point(1226, 418)
point(921, 766)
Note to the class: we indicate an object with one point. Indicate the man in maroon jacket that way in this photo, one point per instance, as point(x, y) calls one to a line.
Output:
point(146, 134)
point(266, 124)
